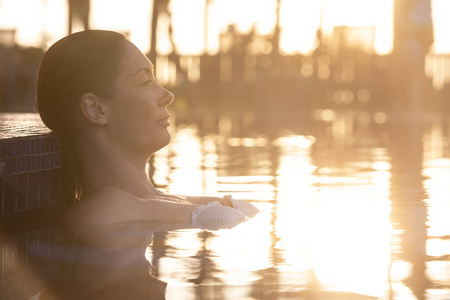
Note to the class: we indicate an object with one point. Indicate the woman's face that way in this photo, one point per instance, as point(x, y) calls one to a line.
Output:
point(138, 110)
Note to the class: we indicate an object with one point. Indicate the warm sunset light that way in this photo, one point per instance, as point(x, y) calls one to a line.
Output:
point(304, 23)
point(41, 23)
point(46, 21)
point(278, 149)
point(131, 17)
point(441, 9)
point(299, 21)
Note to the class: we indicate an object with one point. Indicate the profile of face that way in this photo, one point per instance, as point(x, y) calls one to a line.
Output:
point(138, 115)
point(97, 91)
point(104, 68)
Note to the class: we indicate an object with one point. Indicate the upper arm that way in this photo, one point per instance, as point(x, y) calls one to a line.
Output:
point(201, 200)
point(113, 205)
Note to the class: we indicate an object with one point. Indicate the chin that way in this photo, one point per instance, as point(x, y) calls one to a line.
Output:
point(161, 143)
point(168, 138)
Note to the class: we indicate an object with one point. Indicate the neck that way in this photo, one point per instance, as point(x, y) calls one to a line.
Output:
point(110, 166)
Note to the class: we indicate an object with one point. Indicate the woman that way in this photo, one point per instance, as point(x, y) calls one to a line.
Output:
point(98, 92)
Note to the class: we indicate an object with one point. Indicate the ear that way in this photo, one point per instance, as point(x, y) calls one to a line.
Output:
point(94, 108)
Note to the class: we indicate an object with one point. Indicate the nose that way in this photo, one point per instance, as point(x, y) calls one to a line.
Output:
point(166, 99)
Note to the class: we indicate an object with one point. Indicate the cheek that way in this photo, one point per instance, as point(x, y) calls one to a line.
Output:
point(135, 114)
point(135, 107)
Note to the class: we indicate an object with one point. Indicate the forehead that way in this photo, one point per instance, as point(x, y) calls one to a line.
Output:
point(134, 60)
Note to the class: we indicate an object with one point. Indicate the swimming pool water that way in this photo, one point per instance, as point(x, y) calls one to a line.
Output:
point(360, 213)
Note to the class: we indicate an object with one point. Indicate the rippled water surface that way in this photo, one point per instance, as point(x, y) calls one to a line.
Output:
point(348, 211)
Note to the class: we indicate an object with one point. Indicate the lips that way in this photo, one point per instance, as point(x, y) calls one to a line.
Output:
point(164, 121)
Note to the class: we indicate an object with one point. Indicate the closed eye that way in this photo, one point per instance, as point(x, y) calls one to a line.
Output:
point(147, 82)
point(148, 73)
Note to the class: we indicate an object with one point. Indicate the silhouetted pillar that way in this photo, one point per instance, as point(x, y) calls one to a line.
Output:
point(79, 12)
point(409, 87)
point(154, 22)
point(206, 20)
point(413, 36)
point(276, 33)
point(409, 211)
point(158, 7)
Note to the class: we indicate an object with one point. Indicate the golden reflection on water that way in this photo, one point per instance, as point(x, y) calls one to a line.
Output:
point(436, 170)
point(364, 215)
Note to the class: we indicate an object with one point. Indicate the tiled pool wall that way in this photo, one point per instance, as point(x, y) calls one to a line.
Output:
point(30, 164)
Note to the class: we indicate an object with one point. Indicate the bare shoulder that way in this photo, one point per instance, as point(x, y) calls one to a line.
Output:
point(108, 205)
point(104, 205)
point(110, 193)
point(205, 200)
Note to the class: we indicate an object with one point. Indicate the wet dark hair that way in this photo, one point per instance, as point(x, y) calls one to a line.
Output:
point(83, 62)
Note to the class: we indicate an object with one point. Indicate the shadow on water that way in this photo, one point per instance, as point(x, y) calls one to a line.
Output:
point(409, 210)
point(207, 284)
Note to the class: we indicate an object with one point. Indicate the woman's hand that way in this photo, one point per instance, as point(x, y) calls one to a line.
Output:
point(214, 216)
point(248, 209)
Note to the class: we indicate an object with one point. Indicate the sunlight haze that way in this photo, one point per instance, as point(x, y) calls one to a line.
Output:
point(43, 22)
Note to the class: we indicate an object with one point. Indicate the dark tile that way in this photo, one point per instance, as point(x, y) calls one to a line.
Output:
point(24, 183)
point(30, 164)
point(47, 163)
point(38, 143)
point(54, 193)
point(13, 148)
point(9, 167)
point(10, 196)
point(43, 142)
point(59, 159)
point(2, 168)
point(44, 188)
point(2, 195)
point(53, 160)
point(23, 161)
point(33, 190)
point(22, 192)
point(7, 147)
point(21, 147)
point(19, 166)
point(2, 149)
point(56, 144)
point(28, 146)
point(58, 162)
point(38, 162)
point(48, 145)
point(32, 145)
point(60, 185)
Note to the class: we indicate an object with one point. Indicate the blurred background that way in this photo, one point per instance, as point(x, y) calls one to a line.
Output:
point(292, 58)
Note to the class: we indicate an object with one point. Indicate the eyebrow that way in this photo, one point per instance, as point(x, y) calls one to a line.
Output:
point(147, 70)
